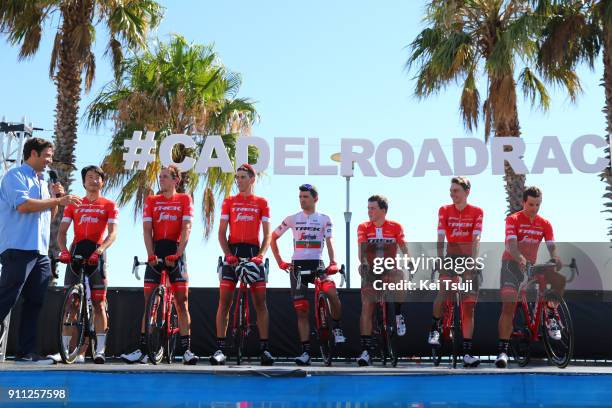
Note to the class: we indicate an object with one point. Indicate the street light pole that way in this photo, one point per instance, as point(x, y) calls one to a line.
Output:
point(347, 220)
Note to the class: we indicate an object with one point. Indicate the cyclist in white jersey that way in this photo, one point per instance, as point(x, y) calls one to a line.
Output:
point(311, 231)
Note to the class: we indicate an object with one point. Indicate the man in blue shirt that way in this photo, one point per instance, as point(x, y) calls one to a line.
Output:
point(26, 210)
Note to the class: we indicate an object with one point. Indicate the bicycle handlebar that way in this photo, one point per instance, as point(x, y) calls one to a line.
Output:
point(318, 272)
point(573, 266)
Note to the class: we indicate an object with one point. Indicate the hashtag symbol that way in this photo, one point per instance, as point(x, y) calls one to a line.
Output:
point(139, 150)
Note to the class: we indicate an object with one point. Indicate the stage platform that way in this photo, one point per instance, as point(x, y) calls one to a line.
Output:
point(286, 385)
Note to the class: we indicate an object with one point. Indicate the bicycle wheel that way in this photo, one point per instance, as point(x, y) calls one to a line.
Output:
point(72, 325)
point(559, 352)
point(390, 334)
point(326, 340)
point(520, 340)
point(241, 327)
point(91, 330)
point(173, 338)
point(378, 333)
point(456, 335)
point(155, 327)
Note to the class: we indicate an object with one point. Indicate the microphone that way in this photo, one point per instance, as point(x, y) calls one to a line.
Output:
point(53, 177)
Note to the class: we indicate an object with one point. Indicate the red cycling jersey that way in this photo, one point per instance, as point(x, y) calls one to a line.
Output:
point(459, 227)
point(167, 215)
point(245, 214)
point(382, 241)
point(528, 234)
point(90, 218)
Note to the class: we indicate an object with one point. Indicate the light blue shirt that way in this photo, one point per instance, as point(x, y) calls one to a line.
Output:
point(23, 231)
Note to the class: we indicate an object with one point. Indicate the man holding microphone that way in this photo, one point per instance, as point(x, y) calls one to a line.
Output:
point(26, 210)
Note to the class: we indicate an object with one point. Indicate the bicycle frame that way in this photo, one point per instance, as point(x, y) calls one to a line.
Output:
point(533, 321)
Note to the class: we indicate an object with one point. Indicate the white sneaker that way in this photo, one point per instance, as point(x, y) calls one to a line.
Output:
point(99, 358)
point(55, 357)
point(189, 358)
point(339, 335)
point(364, 359)
point(553, 329)
point(303, 359)
point(80, 359)
point(400, 324)
point(218, 358)
point(470, 361)
point(134, 357)
point(502, 360)
point(434, 338)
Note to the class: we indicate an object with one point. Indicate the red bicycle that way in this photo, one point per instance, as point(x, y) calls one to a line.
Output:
point(241, 322)
point(323, 318)
point(530, 319)
point(161, 321)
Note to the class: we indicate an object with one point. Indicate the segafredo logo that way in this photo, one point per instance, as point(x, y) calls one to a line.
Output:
point(470, 156)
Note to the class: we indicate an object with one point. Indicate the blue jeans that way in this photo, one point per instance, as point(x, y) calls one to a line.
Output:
point(25, 273)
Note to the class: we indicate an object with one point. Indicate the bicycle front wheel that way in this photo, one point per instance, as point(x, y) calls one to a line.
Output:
point(241, 327)
point(559, 351)
point(389, 333)
point(173, 337)
point(326, 341)
point(155, 327)
point(456, 333)
point(73, 324)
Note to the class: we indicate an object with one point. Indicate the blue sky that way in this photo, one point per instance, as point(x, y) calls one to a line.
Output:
point(330, 70)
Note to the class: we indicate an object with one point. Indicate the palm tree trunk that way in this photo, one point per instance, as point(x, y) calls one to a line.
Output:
point(606, 175)
point(68, 81)
point(506, 122)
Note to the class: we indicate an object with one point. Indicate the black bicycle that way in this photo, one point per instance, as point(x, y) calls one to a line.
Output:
point(76, 318)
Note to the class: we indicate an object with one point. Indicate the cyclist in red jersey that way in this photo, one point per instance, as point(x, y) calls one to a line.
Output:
point(461, 224)
point(377, 238)
point(525, 230)
point(95, 229)
point(166, 225)
point(244, 213)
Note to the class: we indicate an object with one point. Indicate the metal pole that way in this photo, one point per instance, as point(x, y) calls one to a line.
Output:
point(347, 220)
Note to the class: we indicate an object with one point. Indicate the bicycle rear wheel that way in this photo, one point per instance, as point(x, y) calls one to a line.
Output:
point(72, 325)
point(559, 352)
point(326, 340)
point(520, 340)
point(173, 338)
point(155, 327)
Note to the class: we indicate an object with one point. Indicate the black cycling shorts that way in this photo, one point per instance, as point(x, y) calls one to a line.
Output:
point(162, 249)
point(228, 272)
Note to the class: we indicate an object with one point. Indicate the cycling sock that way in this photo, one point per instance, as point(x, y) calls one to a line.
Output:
point(100, 342)
point(398, 308)
point(221, 343)
point(263, 345)
point(467, 346)
point(366, 343)
point(185, 343)
point(435, 323)
point(502, 346)
point(306, 347)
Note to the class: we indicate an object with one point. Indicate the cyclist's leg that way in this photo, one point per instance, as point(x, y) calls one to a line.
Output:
point(368, 304)
point(70, 333)
point(227, 286)
point(258, 289)
point(329, 287)
point(98, 283)
point(180, 285)
point(510, 278)
point(468, 304)
point(300, 304)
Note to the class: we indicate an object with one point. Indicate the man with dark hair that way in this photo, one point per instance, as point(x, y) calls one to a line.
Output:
point(461, 225)
point(377, 238)
point(26, 210)
point(245, 214)
point(525, 230)
point(311, 231)
point(95, 229)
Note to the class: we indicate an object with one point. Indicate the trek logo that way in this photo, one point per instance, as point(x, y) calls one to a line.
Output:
point(308, 228)
point(89, 210)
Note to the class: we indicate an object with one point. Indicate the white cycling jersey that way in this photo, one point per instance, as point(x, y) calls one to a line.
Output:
point(309, 233)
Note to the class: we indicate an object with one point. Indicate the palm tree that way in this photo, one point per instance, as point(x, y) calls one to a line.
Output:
point(494, 39)
point(175, 88)
point(576, 32)
point(72, 58)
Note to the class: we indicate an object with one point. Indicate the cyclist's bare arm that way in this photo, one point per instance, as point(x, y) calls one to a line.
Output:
point(274, 247)
point(440, 245)
point(266, 241)
point(361, 253)
point(552, 250)
point(330, 249)
point(223, 236)
point(475, 245)
point(61, 235)
point(110, 238)
point(512, 247)
point(185, 232)
point(147, 229)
